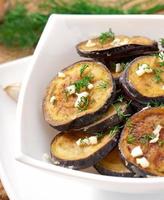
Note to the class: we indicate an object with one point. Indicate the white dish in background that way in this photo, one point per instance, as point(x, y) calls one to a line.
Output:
point(55, 51)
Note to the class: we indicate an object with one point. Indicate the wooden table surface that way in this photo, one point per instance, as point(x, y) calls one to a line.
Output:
point(8, 54)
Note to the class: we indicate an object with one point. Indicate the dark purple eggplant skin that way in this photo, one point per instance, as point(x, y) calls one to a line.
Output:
point(136, 170)
point(132, 93)
point(104, 171)
point(118, 53)
point(89, 161)
point(106, 124)
point(113, 156)
point(88, 118)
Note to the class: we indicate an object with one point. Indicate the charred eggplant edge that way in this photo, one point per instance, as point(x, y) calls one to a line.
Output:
point(90, 160)
point(88, 118)
point(131, 92)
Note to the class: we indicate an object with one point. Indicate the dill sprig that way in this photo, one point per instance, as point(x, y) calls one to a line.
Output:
point(120, 98)
point(105, 36)
point(82, 69)
point(83, 104)
point(131, 139)
point(111, 132)
point(82, 83)
point(120, 112)
point(160, 142)
point(103, 84)
point(155, 104)
point(161, 41)
point(157, 73)
point(23, 29)
point(147, 137)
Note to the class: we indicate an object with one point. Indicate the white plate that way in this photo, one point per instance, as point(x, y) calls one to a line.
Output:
point(23, 182)
point(55, 51)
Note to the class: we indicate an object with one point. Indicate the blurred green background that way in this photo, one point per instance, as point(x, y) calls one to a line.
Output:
point(23, 21)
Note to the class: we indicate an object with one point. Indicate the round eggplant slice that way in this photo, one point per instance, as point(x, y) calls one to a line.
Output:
point(114, 116)
point(142, 142)
point(112, 165)
point(71, 149)
point(78, 95)
point(121, 47)
point(143, 80)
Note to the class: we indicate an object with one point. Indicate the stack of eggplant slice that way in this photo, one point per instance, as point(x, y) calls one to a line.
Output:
point(109, 110)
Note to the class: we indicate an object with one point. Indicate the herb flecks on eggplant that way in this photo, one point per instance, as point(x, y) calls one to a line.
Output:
point(66, 149)
point(112, 165)
point(118, 48)
point(114, 116)
point(149, 84)
point(80, 96)
point(144, 130)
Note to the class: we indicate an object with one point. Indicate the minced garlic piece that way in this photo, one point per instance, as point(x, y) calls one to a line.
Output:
point(136, 152)
point(118, 68)
point(61, 75)
point(143, 68)
point(90, 86)
point(143, 162)
point(71, 89)
point(90, 43)
point(79, 97)
point(87, 141)
point(118, 42)
point(52, 99)
point(156, 133)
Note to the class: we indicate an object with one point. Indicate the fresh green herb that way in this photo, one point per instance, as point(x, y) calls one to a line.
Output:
point(123, 66)
point(131, 139)
point(103, 84)
point(162, 42)
point(157, 73)
point(23, 29)
point(83, 140)
point(120, 98)
point(83, 104)
point(160, 143)
point(100, 135)
point(161, 64)
point(82, 83)
point(82, 69)
point(129, 123)
point(161, 57)
point(120, 112)
point(113, 131)
point(105, 36)
point(155, 104)
point(146, 138)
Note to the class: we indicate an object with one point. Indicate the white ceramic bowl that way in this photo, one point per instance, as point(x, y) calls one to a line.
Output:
point(56, 50)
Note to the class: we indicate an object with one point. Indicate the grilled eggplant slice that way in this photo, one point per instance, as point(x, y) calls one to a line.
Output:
point(122, 47)
point(147, 86)
point(112, 165)
point(65, 106)
point(142, 142)
point(112, 117)
point(66, 152)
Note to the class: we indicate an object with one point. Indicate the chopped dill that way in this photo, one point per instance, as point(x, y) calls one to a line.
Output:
point(83, 104)
point(82, 69)
point(131, 139)
point(105, 36)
